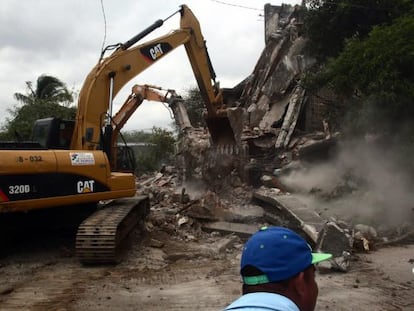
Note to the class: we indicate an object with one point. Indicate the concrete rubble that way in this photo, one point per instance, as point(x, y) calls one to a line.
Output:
point(186, 213)
point(234, 190)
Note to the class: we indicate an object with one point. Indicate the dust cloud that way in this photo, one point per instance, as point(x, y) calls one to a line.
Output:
point(195, 188)
point(362, 184)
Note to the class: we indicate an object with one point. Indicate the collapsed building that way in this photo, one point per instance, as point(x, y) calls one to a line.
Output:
point(276, 110)
point(272, 116)
point(280, 127)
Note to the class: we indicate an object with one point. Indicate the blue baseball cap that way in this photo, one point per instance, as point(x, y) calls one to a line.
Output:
point(279, 253)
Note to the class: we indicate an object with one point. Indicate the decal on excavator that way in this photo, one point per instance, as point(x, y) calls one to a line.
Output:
point(85, 186)
point(19, 189)
point(154, 52)
point(48, 185)
point(82, 158)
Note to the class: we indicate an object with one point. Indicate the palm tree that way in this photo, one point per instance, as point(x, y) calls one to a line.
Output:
point(50, 98)
point(48, 88)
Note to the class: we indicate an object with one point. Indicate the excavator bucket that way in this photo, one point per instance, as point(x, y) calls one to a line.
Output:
point(221, 131)
point(227, 126)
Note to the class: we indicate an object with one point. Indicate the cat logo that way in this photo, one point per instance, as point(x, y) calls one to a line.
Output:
point(85, 186)
point(156, 51)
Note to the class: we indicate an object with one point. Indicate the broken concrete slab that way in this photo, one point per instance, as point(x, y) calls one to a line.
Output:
point(211, 250)
point(291, 117)
point(243, 214)
point(241, 230)
point(334, 240)
point(327, 236)
point(257, 112)
point(236, 117)
point(275, 220)
point(155, 243)
point(318, 150)
point(225, 243)
point(272, 182)
point(274, 115)
point(298, 213)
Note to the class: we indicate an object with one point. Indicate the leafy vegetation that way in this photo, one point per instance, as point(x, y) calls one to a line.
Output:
point(365, 53)
point(49, 98)
point(159, 148)
point(195, 107)
point(329, 23)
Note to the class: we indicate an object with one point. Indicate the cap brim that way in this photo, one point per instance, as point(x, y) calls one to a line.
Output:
point(318, 257)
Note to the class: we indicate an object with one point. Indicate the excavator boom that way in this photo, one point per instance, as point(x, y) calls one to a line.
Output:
point(107, 78)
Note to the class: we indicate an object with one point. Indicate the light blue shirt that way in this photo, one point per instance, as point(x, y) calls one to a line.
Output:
point(262, 301)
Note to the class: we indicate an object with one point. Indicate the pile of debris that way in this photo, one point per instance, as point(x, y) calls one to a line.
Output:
point(284, 130)
point(189, 210)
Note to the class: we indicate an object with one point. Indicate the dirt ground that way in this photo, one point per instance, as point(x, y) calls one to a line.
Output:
point(185, 269)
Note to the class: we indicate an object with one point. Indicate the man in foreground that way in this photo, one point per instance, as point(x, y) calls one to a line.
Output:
point(278, 272)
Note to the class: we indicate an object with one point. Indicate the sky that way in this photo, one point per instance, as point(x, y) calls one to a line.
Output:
point(64, 39)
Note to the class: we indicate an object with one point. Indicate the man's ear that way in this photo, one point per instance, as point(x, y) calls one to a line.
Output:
point(299, 283)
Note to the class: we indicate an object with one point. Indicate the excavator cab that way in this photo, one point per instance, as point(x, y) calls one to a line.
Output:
point(53, 133)
point(56, 133)
point(47, 133)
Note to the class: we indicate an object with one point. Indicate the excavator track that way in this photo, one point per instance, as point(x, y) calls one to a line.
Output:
point(99, 237)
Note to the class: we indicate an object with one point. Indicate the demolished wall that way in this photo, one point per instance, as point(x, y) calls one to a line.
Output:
point(273, 96)
point(276, 108)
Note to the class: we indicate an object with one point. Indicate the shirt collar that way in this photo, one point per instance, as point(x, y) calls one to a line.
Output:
point(263, 300)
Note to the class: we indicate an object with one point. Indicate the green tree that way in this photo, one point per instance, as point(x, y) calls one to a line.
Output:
point(48, 88)
point(374, 69)
point(195, 107)
point(159, 149)
point(50, 98)
point(379, 70)
point(164, 144)
point(381, 64)
point(136, 136)
point(329, 23)
point(373, 72)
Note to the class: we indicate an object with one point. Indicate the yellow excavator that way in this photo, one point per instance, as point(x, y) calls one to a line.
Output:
point(72, 163)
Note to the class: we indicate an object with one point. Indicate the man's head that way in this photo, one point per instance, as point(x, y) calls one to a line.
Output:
point(278, 260)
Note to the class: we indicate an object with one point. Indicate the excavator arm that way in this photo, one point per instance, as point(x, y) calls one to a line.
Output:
point(138, 95)
point(112, 73)
point(134, 100)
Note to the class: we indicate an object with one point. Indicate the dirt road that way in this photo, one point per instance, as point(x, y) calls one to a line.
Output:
point(189, 270)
